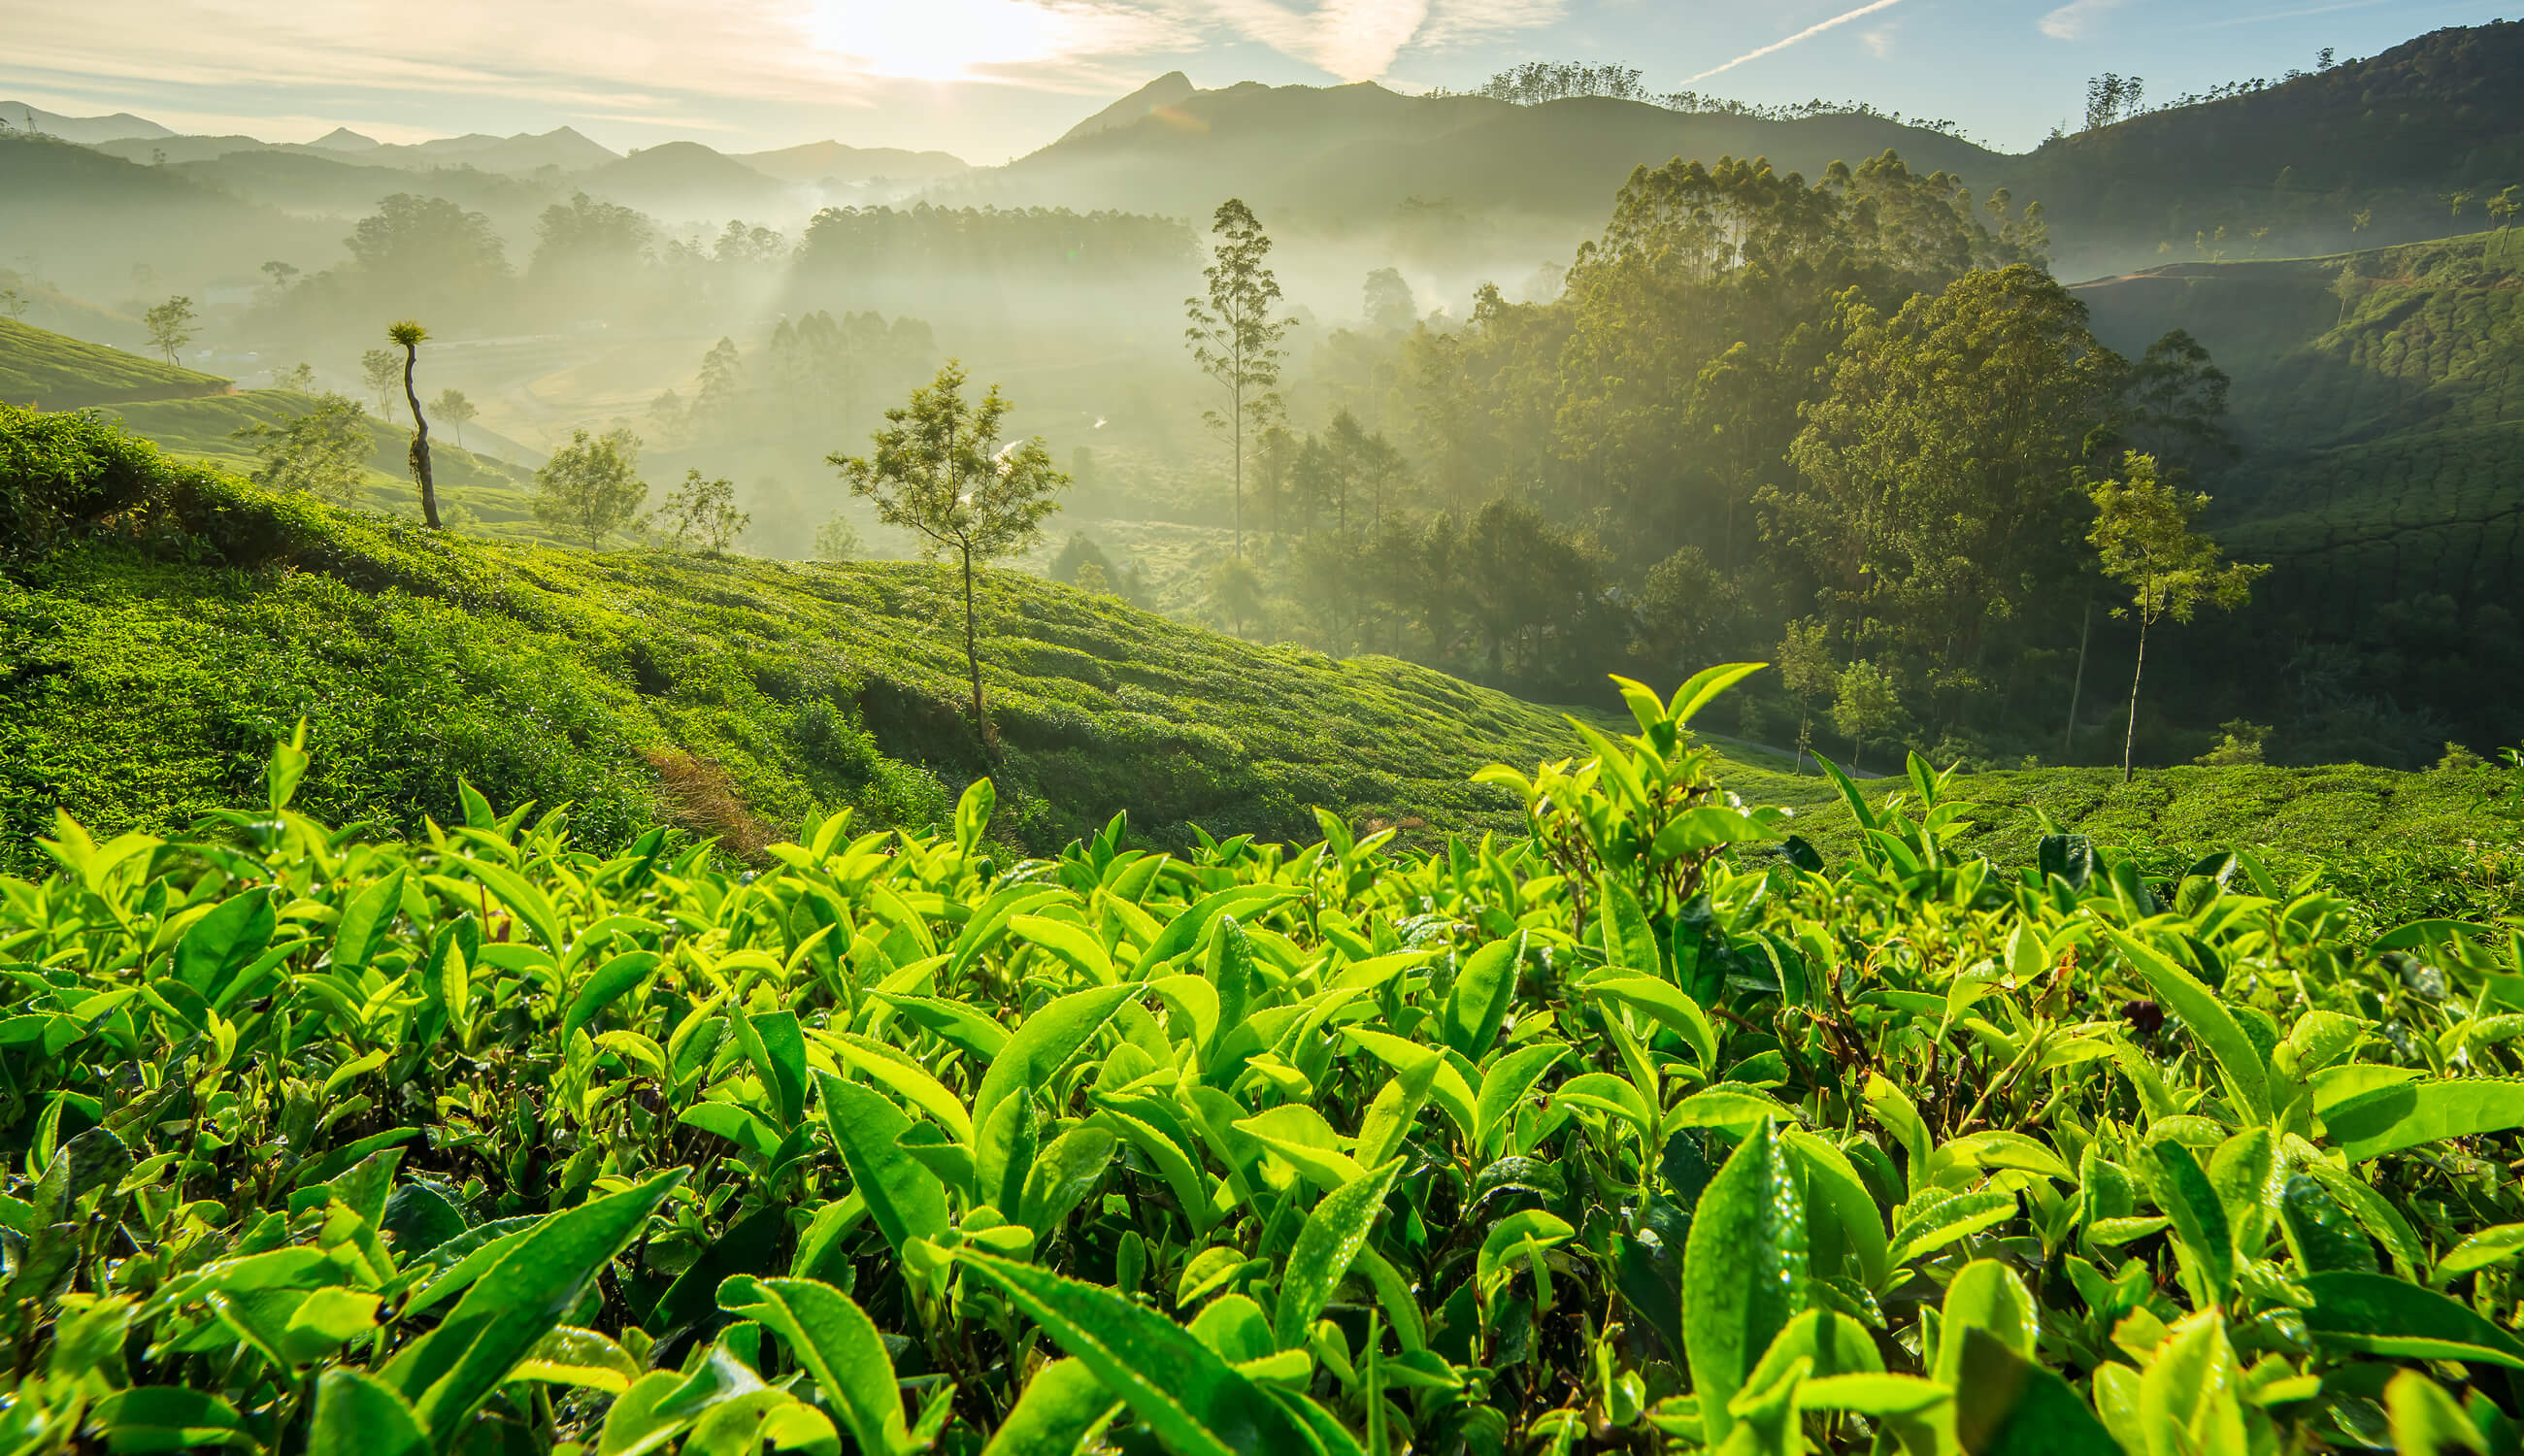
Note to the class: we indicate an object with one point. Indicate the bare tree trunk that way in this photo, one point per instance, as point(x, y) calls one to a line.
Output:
point(2077, 687)
point(972, 656)
point(1237, 433)
point(419, 441)
point(2129, 739)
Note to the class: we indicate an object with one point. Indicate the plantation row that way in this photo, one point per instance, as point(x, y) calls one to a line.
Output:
point(1642, 1131)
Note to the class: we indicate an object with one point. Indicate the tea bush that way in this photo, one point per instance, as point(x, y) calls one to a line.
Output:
point(1641, 1131)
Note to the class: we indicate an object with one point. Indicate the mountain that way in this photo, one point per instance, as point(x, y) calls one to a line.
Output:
point(55, 371)
point(25, 117)
point(1169, 89)
point(1346, 156)
point(832, 162)
point(344, 139)
point(349, 184)
point(683, 182)
point(562, 148)
point(2361, 154)
point(92, 219)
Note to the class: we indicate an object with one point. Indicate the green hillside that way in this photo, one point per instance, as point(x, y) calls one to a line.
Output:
point(2381, 430)
point(1347, 156)
point(2387, 137)
point(150, 672)
point(55, 371)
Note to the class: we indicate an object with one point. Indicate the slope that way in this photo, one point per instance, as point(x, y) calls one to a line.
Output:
point(1344, 157)
point(2386, 137)
point(148, 675)
point(40, 368)
point(93, 217)
point(149, 671)
point(2379, 399)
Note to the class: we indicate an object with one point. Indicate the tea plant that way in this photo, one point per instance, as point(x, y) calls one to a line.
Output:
point(1642, 1131)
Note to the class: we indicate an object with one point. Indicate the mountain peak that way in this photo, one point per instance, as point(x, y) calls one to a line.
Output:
point(1169, 89)
point(344, 139)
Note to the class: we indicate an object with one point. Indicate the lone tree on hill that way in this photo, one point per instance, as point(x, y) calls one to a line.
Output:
point(592, 485)
point(2144, 537)
point(454, 408)
point(1234, 337)
point(939, 470)
point(700, 513)
point(172, 326)
point(381, 370)
point(408, 333)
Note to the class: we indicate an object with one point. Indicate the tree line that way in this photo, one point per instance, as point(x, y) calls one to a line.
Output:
point(1851, 422)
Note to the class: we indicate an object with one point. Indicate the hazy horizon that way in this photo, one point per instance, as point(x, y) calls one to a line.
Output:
point(990, 80)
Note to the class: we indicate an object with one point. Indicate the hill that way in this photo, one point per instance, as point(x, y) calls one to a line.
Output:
point(1350, 156)
point(40, 368)
point(151, 670)
point(2380, 428)
point(25, 117)
point(92, 217)
point(683, 181)
point(832, 162)
point(2362, 153)
point(1169, 89)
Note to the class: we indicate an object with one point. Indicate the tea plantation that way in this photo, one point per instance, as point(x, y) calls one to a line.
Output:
point(1625, 1135)
point(354, 1103)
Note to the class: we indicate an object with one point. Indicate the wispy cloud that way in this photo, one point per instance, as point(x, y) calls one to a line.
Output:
point(1807, 33)
point(1355, 40)
point(2076, 19)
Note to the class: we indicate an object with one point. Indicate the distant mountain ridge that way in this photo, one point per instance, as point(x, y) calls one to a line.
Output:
point(833, 162)
point(1173, 89)
point(23, 118)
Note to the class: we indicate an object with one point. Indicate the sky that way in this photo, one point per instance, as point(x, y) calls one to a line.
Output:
point(988, 79)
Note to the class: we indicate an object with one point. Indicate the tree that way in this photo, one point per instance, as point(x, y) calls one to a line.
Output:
point(703, 513)
point(381, 371)
point(281, 275)
point(1865, 704)
point(299, 376)
point(324, 452)
point(172, 325)
point(1235, 593)
point(592, 485)
point(939, 471)
point(14, 302)
point(453, 407)
point(2144, 540)
point(1234, 337)
point(1387, 302)
point(837, 540)
point(1806, 670)
point(408, 333)
point(2345, 287)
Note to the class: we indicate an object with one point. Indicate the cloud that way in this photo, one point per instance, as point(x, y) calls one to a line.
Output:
point(2076, 19)
point(1879, 41)
point(1806, 34)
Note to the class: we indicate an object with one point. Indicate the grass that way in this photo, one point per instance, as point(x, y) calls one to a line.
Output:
point(40, 368)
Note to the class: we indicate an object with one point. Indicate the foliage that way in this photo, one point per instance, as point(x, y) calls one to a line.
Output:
point(322, 451)
point(940, 470)
point(172, 325)
point(1234, 335)
point(452, 405)
point(837, 540)
point(1631, 1132)
point(592, 485)
point(2143, 535)
point(704, 513)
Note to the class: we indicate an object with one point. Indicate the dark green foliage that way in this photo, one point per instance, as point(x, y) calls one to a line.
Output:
point(488, 1139)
